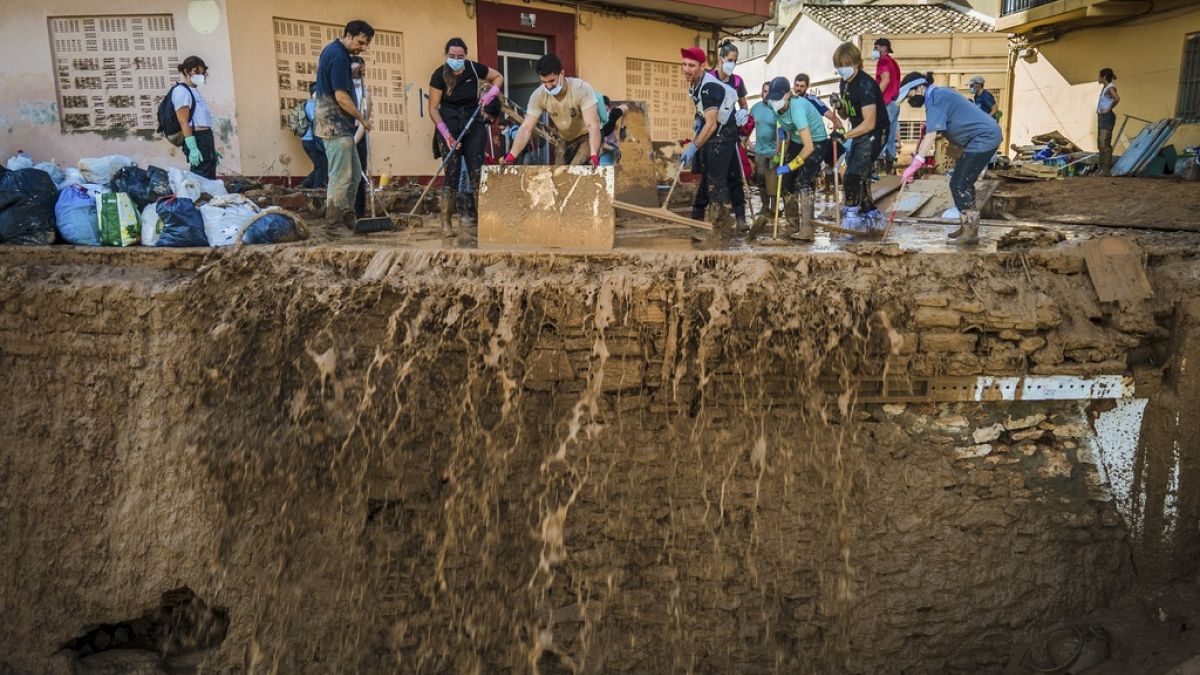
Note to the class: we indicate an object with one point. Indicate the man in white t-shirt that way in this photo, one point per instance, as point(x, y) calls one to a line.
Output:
point(571, 104)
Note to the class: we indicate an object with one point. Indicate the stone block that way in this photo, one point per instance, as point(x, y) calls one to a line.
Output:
point(931, 300)
point(973, 451)
point(1024, 422)
point(988, 434)
point(934, 317)
point(1030, 345)
point(968, 307)
point(948, 342)
point(962, 365)
point(547, 207)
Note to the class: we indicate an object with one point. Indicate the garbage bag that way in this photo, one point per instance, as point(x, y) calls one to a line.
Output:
point(76, 219)
point(182, 223)
point(54, 171)
point(140, 186)
point(160, 182)
point(188, 184)
point(152, 225)
point(224, 217)
point(100, 170)
point(24, 220)
point(31, 182)
point(71, 176)
point(273, 227)
point(119, 223)
point(19, 161)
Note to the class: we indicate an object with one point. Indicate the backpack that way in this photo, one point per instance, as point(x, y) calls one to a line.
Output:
point(168, 123)
point(297, 119)
point(601, 109)
point(725, 111)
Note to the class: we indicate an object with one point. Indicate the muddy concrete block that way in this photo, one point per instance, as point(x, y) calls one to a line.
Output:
point(547, 366)
point(948, 342)
point(936, 317)
point(547, 206)
point(621, 374)
point(931, 300)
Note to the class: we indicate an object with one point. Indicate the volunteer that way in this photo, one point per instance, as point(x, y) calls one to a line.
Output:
point(610, 133)
point(571, 104)
point(983, 98)
point(312, 145)
point(977, 133)
point(453, 97)
point(800, 88)
point(804, 130)
point(1106, 119)
point(727, 55)
point(716, 143)
point(887, 74)
point(195, 119)
point(765, 150)
point(862, 103)
point(362, 97)
point(337, 112)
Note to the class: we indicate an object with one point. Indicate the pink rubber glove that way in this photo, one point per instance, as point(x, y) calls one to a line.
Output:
point(911, 172)
point(445, 132)
point(489, 95)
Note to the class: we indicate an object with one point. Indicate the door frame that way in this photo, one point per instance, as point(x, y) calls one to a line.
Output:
point(557, 28)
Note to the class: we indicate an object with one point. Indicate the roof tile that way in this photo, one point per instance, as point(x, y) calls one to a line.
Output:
point(851, 21)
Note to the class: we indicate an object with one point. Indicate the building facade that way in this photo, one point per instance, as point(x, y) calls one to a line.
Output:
point(84, 81)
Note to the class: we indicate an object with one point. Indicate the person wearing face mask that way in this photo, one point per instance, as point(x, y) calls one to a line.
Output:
point(454, 94)
point(964, 124)
point(804, 129)
point(765, 150)
point(337, 112)
point(358, 68)
point(571, 104)
point(983, 98)
point(714, 149)
point(887, 74)
point(862, 103)
point(727, 57)
point(195, 119)
point(800, 88)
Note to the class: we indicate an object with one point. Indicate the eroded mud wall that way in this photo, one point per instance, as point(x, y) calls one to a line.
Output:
point(442, 462)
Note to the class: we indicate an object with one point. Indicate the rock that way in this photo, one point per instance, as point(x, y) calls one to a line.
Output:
point(951, 423)
point(1010, 335)
point(1055, 465)
point(933, 317)
point(962, 365)
point(894, 408)
point(968, 307)
point(1028, 435)
point(948, 342)
point(973, 451)
point(1028, 449)
point(988, 434)
point(1024, 422)
point(1032, 344)
point(931, 300)
point(1073, 430)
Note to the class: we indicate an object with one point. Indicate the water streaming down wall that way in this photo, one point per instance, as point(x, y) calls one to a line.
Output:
point(480, 462)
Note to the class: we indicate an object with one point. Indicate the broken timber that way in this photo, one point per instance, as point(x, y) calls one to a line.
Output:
point(661, 214)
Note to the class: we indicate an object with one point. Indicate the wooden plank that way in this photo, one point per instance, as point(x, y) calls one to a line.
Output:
point(1115, 267)
point(910, 202)
point(661, 214)
point(885, 186)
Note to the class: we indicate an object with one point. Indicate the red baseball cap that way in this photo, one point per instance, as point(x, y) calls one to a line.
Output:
point(695, 54)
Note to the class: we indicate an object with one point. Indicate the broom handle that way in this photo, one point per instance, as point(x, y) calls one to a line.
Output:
point(449, 154)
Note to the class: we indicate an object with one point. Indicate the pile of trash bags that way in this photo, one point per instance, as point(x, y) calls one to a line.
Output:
point(111, 201)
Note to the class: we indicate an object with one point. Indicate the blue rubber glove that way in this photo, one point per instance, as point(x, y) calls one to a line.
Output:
point(741, 117)
point(194, 156)
point(689, 153)
point(783, 170)
point(782, 135)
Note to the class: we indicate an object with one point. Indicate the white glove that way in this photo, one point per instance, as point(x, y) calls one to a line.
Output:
point(741, 117)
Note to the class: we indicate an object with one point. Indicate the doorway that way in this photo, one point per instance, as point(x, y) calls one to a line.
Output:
point(516, 59)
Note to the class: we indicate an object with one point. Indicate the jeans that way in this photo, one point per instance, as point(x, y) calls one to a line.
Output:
point(966, 172)
point(889, 148)
point(345, 173)
point(208, 154)
point(319, 176)
point(860, 160)
point(804, 178)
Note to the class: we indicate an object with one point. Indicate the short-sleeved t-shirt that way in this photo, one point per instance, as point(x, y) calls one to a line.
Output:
point(567, 114)
point(985, 100)
point(333, 74)
point(201, 116)
point(888, 65)
point(962, 121)
point(764, 129)
point(800, 114)
point(310, 111)
point(709, 95)
point(862, 91)
point(465, 92)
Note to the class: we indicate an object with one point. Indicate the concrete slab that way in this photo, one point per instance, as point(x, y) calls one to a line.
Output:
point(636, 182)
point(547, 207)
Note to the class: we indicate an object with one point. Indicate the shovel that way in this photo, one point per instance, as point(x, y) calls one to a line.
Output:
point(411, 218)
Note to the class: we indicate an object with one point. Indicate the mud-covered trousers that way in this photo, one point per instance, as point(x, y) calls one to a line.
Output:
point(859, 163)
point(345, 173)
point(735, 189)
point(966, 172)
point(718, 156)
point(804, 179)
point(473, 147)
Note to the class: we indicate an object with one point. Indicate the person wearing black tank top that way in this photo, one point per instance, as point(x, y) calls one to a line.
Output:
point(454, 94)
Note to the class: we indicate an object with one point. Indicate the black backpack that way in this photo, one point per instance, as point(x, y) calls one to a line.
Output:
point(168, 123)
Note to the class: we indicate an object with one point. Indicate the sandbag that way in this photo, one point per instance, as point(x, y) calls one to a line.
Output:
point(118, 219)
point(182, 224)
point(100, 170)
point(75, 217)
point(140, 185)
point(152, 225)
point(273, 227)
point(19, 161)
point(224, 217)
point(24, 220)
point(54, 171)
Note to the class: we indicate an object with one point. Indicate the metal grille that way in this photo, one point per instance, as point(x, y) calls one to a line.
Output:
point(1014, 6)
point(1188, 109)
point(662, 86)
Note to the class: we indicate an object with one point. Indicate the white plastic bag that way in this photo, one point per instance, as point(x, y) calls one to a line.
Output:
point(19, 161)
point(224, 217)
point(188, 184)
point(56, 174)
point(950, 214)
point(151, 225)
point(71, 176)
point(100, 169)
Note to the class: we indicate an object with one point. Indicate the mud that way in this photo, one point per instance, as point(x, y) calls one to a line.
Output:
point(1150, 203)
point(375, 459)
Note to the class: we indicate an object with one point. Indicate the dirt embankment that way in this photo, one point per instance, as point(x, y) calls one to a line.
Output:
point(1150, 203)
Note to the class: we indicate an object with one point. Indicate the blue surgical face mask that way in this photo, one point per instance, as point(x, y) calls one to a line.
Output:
point(556, 90)
point(845, 72)
point(728, 66)
point(456, 64)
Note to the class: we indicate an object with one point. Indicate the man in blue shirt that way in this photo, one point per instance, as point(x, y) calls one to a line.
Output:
point(337, 111)
point(312, 145)
point(983, 98)
point(764, 150)
point(964, 124)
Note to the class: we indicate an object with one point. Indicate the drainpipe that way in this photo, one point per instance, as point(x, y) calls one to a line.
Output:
point(1011, 95)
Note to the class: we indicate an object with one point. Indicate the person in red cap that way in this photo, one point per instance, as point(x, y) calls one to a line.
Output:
point(716, 143)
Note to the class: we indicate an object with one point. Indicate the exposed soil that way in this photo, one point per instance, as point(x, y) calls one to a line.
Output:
point(1151, 203)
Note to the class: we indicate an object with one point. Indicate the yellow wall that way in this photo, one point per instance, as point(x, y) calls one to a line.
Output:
point(1059, 91)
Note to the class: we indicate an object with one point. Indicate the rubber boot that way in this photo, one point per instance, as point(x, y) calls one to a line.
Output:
point(722, 221)
point(1105, 163)
point(851, 219)
point(445, 211)
point(969, 234)
point(806, 207)
point(962, 226)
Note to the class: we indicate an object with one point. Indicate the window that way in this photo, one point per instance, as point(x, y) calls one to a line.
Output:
point(1189, 81)
point(518, 57)
point(669, 107)
point(111, 71)
point(910, 130)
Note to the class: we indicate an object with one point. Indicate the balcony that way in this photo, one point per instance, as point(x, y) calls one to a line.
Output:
point(716, 15)
point(1026, 16)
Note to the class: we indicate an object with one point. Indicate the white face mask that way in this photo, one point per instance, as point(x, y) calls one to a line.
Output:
point(875, 54)
point(777, 106)
point(728, 67)
point(845, 72)
point(198, 79)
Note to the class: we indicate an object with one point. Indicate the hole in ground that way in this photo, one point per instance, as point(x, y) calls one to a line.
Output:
point(180, 625)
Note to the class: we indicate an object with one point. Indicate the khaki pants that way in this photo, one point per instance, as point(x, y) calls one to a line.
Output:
point(765, 175)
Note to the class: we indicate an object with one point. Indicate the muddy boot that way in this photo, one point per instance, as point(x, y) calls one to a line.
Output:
point(807, 208)
point(446, 211)
point(968, 232)
point(722, 222)
point(465, 204)
point(739, 215)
